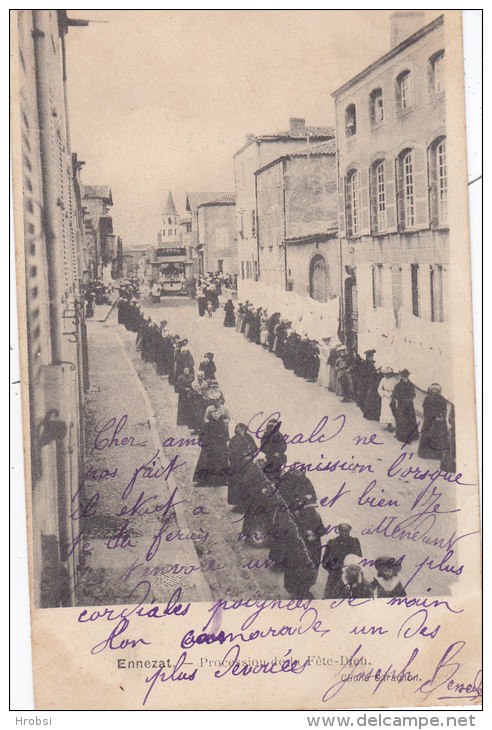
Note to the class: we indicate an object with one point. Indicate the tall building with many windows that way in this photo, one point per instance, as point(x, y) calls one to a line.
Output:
point(392, 191)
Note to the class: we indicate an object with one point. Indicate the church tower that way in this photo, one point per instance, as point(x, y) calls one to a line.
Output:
point(169, 232)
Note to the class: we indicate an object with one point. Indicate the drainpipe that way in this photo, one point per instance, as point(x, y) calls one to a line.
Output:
point(257, 222)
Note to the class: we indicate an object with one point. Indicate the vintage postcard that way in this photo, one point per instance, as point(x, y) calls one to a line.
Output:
point(247, 375)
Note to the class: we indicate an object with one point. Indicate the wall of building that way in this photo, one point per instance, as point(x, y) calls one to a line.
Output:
point(54, 321)
point(300, 261)
point(389, 304)
point(217, 234)
point(254, 156)
point(310, 194)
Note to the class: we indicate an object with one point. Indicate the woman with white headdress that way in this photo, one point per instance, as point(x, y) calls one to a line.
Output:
point(385, 392)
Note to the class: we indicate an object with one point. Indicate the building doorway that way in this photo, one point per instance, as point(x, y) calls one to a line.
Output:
point(318, 279)
point(351, 323)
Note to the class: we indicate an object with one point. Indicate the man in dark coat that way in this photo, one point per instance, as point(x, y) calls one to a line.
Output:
point(335, 553)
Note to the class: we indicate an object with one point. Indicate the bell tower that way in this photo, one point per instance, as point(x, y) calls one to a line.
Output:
point(169, 232)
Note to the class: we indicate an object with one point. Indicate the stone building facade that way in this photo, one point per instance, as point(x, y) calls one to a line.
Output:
point(296, 202)
point(258, 151)
point(216, 234)
point(392, 180)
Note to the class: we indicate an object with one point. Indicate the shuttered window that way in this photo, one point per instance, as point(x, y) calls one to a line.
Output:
point(442, 182)
point(404, 92)
point(354, 202)
point(408, 191)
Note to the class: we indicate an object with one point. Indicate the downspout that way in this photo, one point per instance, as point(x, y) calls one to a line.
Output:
point(342, 288)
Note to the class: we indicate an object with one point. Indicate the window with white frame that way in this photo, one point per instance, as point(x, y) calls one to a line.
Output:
point(408, 191)
point(380, 196)
point(353, 190)
point(442, 182)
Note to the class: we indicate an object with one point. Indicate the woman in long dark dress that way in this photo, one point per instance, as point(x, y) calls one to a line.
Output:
point(303, 555)
point(372, 401)
point(241, 449)
point(434, 435)
point(403, 409)
point(229, 319)
point(208, 367)
point(185, 411)
point(213, 463)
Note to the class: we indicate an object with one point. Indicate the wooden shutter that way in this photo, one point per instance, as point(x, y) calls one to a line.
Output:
point(341, 208)
point(390, 195)
point(365, 223)
point(433, 199)
point(421, 188)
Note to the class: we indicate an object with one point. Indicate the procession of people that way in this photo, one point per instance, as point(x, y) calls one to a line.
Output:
point(278, 503)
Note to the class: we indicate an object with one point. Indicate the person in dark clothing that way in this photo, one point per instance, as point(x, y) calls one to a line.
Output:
point(448, 458)
point(199, 401)
point(258, 502)
point(335, 553)
point(303, 551)
point(208, 367)
point(213, 464)
point(242, 448)
point(403, 409)
point(273, 445)
point(434, 435)
point(372, 402)
point(229, 319)
point(297, 491)
point(364, 373)
point(387, 584)
point(183, 384)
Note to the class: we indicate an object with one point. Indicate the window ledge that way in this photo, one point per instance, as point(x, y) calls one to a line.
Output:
point(403, 113)
point(377, 125)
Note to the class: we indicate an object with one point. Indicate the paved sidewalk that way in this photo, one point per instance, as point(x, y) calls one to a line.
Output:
point(118, 526)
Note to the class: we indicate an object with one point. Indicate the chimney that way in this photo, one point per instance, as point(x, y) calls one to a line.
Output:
point(405, 23)
point(297, 127)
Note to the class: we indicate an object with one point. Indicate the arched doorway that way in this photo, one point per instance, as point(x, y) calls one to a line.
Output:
point(318, 279)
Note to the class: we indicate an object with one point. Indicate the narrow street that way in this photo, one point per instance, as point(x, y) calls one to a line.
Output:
point(256, 385)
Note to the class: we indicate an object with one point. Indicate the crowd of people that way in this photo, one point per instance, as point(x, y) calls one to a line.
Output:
point(95, 292)
point(333, 366)
point(278, 507)
point(278, 504)
point(208, 288)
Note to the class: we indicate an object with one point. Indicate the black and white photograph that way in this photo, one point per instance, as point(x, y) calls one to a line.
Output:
point(247, 376)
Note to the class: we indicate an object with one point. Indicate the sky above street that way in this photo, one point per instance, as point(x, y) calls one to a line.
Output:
point(162, 99)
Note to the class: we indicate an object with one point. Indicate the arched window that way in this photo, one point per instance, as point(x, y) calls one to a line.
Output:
point(319, 279)
point(376, 111)
point(436, 71)
point(350, 120)
point(404, 91)
point(353, 202)
point(438, 175)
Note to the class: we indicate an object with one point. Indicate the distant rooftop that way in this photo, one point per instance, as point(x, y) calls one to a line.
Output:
point(323, 148)
point(222, 199)
point(98, 191)
point(297, 130)
point(193, 200)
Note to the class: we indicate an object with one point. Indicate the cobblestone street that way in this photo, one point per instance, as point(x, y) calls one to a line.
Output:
point(255, 385)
